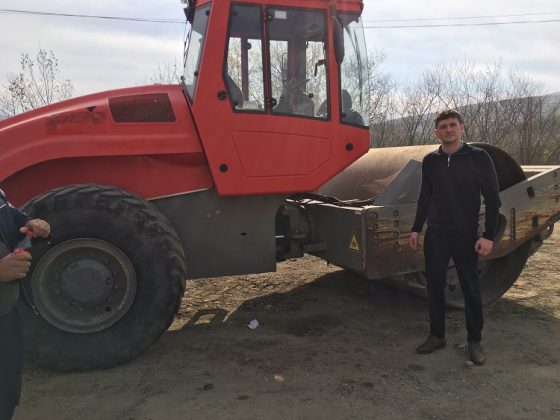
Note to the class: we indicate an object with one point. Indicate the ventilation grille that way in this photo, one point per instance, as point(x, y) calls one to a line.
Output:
point(151, 107)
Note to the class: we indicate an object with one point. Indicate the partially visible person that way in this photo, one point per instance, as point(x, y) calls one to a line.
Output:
point(349, 115)
point(453, 177)
point(14, 224)
point(294, 100)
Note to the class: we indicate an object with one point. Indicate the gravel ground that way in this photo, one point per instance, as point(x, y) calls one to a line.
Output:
point(329, 345)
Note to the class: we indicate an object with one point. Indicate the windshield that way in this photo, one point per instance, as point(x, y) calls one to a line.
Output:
point(193, 49)
point(354, 75)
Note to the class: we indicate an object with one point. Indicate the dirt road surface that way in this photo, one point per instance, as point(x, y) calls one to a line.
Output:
point(330, 345)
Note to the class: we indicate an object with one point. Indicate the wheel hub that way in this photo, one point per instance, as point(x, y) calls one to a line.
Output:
point(83, 285)
point(86, 281)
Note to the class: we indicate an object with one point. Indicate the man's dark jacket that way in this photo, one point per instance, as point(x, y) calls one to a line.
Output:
point(450, 192)
point(11, 219)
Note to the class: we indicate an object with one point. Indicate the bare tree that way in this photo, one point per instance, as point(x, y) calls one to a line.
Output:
point(37, 84)
point(506, 110)
point(482, 95)
point(381, 96)
point(415, 106)
point(166, 74)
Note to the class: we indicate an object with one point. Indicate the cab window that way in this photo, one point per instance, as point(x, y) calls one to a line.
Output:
point(194, 49)
point(297, 49)
point(354, 77)
point(244, 70)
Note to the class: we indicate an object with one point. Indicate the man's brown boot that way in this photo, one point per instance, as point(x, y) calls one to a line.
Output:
point(431, 344)
point(476, 354)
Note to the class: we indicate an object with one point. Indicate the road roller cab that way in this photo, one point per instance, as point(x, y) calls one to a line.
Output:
point(266, 82)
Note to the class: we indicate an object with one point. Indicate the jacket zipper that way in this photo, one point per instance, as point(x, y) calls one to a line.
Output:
point(448, 160)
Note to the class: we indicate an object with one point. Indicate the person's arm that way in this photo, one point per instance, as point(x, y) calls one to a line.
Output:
point(423, 206)
point(20, 218)
point(39, 227)
point(491, 193)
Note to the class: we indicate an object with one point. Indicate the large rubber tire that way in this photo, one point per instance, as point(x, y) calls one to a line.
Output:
point(108, 284)
point(496, 277)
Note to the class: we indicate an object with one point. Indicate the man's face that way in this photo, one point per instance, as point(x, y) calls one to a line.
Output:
point(449, 131)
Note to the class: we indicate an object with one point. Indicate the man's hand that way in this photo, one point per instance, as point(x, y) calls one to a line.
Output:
point(14, 266)
point(413, 241)
point(39, 227)
point(483, 247)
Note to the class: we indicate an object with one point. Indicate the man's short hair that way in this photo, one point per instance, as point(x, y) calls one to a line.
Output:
point(447, 113)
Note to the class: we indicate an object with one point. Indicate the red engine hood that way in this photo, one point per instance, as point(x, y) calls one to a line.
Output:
point(140, 121)
point(90, 126)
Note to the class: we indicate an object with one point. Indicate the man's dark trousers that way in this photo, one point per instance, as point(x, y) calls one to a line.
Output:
point(439, 246)
point(11, 363)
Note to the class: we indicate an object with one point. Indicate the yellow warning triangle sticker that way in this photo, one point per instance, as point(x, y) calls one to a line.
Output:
point(353, 245)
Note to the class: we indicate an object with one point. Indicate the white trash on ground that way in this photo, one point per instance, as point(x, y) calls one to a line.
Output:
point(253, 324)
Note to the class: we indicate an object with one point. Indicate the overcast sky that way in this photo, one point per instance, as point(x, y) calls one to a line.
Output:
point(98, 54)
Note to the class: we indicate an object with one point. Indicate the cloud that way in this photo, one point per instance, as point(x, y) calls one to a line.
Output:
point(94, 55)
point(531, 48)
point(101, 54)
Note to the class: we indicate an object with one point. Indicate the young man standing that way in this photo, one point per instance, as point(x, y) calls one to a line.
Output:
point(13, 266)
point(453, 177)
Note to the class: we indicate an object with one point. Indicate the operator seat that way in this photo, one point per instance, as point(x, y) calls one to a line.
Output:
point(304, 105)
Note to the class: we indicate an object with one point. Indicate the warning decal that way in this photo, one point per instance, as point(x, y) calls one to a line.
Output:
point(353, 245)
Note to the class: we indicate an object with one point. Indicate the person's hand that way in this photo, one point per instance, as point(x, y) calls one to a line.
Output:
point(14, 266)
point(413, 241)
point(483, 247)
point(39, 227)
